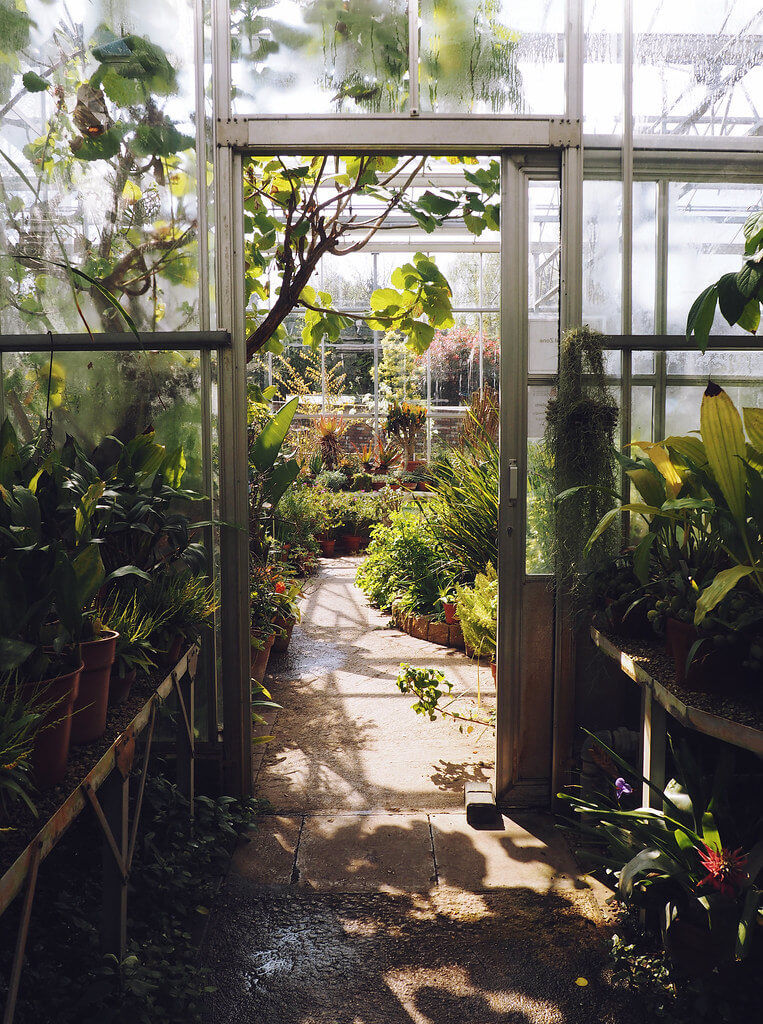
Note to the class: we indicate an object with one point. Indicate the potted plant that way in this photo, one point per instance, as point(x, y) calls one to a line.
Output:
point(22, 719)
point(179, 605)
point(694, 865)
point(405, 421)
point(286, 590)
point(448, 600)
point(263, 610)
point(134, 650)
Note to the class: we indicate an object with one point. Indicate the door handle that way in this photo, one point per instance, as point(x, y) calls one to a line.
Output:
point(513, 480)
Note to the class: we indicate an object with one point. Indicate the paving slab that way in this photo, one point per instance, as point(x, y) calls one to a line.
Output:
point(267, 855)
point(366, 853)
point(509, 855)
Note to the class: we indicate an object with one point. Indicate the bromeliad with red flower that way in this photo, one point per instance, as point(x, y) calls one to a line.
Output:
point(726, 869)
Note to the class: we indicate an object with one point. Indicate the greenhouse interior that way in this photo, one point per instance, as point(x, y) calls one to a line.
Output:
point(381, 511)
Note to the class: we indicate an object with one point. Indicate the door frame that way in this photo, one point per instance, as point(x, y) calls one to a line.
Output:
point(526, 147)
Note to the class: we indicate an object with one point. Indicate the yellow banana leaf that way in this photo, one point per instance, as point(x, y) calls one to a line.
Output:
point(753, 421)
point(725, 581)
point(723, 436)
point(662, 461)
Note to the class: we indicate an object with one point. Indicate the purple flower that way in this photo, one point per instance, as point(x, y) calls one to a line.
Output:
point(622, 788)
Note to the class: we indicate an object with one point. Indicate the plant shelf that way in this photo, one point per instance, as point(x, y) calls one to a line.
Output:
point(722, 716)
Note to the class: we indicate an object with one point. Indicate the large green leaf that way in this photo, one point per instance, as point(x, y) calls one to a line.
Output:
point(723, 437)
point(649, 486)
point(730, 299)
point(701, 316)
point(646, 862)
point(753, 233)
point(724, 582)
point(279, 480)
point(13, 653)
point(267, 444)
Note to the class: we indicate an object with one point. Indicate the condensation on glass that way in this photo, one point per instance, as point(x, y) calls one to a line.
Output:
point(698, 67)
point(98, 166)
point(478, 56)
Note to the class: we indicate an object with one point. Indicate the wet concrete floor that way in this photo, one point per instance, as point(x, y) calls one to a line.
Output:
point(365, 897)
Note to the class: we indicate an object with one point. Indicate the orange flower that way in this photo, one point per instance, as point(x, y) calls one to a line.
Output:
point(280, 587)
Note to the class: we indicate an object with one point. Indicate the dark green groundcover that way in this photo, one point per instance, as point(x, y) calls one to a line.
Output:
point(175, 874)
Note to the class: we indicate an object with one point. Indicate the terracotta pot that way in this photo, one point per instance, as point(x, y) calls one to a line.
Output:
point(408, 487)
point(351, 543)
point(170, 657)
point(91, 705)
point(636, 625)
point(450, 612)
point(492, 671)
point(51, 745)
point(281, 640)
point(413, 464)
point(377, 485)
point(394, 485)
point(260, 658)
point(327, 547)
point(709, 670)
point(423, 485)
point(119, 687)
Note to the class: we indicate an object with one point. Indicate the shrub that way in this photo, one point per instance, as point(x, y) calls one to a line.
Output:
point(332, 480)
point(464, 510)
point(478, 612)
point(404, 563)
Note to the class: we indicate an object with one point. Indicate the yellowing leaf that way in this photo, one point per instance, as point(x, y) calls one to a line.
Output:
point(753, 422)
point(663, 462)
point(721, 429)
point(688, 448)
point(131, 193)
point(724, 582)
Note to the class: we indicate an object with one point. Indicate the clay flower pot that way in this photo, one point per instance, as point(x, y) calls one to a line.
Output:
point(708, 672)
point(170, 657)
point(492, 671)
point(351, 543)
point(51, 745)
point(119, 687)
point(327, 547)
point(285, 624)
point(91, 705)
point(260, 658)
point(450, 612)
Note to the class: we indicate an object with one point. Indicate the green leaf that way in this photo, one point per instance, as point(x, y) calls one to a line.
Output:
point(267, 444)
point(749, 318)
point(753, 233)
point(641, 557)
point(101, 147)
point(420, 336)
point(33, 82)
point(646, 861)
point(13, 653)
point(160, 140)
point(650, 487)
point(730, 299)
point(701, 316)
point(710, 834)
point(724, 582)
point(749, 279)
point(279, 480)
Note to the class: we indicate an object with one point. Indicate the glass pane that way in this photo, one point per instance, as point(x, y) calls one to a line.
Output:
point(682, 405)
point(641, 414)
point(603, 68)
point(454, 359)
point(93, 394)
point(319, 56)
point(543, 277)
point(99, 168)
point(602, 260)
point(644, 255)
point(445, 428)
point(539, 496)
point(705, 240)
point(704, 81)
point(349, 280)
point(480, 56)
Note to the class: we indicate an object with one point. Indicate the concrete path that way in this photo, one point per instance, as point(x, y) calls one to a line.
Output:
point(364, 897)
